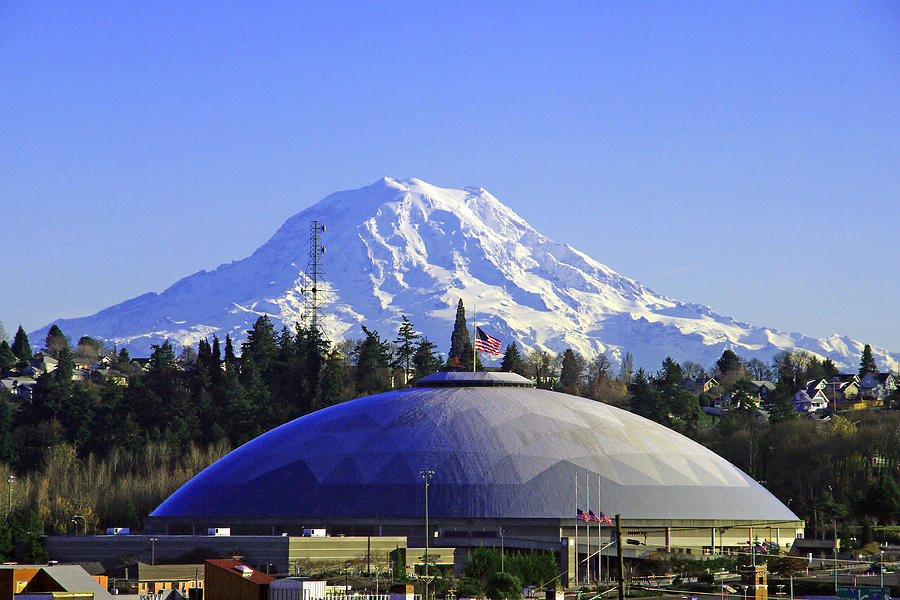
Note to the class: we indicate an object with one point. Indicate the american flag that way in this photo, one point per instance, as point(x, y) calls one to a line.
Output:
point(485, 342)
point(601, 518)
point(581, 515)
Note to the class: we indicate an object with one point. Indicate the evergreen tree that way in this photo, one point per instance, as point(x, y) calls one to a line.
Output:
point(780, 404)
point(163, 358)
point(426, 359)
point(867, 362)
point(334, 386)
point(7, 446)
point(461, 351)
point(3, 335)
point(254, 405)
point(230, 359)
point(671, 374)
point(645, 398)
point(55, 341)
point(215, 361)
point(8, 359)
point(123, 361)
point(20, 346)
point(372, 357)
point(406, 349)
point(570, 374)
point(6, 540)
point(28, 533)
point(829, 369)
point(729, 363)
point(512, 360)
point(312, 354)
point(883, 498)
point(261, 343)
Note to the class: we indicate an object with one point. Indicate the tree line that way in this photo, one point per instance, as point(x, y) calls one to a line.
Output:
point(187, 407)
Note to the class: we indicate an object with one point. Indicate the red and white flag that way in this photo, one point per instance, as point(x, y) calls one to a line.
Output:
point(486, 343)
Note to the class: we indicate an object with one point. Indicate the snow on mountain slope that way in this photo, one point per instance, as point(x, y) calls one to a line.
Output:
point(408, 247)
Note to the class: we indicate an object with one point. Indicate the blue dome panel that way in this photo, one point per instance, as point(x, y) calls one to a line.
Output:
point(510, 452)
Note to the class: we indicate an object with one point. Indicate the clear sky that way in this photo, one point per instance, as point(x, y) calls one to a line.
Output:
point(744, 155)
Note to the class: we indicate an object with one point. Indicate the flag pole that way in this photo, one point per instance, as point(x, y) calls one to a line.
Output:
point(474, 337)
point(599, 535)
point(576, 529)
point(587, 566)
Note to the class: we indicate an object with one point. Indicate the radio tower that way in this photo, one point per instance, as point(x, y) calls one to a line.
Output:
point(315, 277)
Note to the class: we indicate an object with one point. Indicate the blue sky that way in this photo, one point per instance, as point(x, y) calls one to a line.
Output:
point(740, 155)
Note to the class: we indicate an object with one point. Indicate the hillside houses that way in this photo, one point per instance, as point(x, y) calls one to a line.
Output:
point(20, 383)
point(877, 386)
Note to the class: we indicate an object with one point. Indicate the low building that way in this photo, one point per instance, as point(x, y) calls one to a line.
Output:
point(153, 579)
point(20, 387)
point(230, 579)
point(56, 581)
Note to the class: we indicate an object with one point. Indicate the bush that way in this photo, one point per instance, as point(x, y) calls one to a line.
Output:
point(503, 585)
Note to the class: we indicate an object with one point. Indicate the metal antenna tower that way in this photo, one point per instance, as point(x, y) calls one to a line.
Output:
point(315, 276)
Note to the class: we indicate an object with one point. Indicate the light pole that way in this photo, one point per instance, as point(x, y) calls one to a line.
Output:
point(83, 522)
point(9, 481)
point(153, 550)
point(427, 475)
point(502, 569)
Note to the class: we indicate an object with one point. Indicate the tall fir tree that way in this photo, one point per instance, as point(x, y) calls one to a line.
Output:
point(867, 362)
point(570, 375)
point(461, 352)
point(20, 346)
point(65, 366)
point(406, 347)
point(230, 359)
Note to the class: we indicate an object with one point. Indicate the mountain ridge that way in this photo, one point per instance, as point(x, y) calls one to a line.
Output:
point(409, 247)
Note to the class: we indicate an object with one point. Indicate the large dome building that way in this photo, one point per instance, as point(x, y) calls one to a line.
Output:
point(504, 459)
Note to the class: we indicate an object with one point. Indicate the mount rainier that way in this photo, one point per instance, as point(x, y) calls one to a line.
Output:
point(407, 247)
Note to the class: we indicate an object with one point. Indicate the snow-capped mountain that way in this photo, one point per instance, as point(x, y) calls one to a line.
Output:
point(408, 247)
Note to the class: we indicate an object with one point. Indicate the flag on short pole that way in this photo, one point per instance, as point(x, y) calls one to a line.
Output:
point(486, 343)
point(601, 518)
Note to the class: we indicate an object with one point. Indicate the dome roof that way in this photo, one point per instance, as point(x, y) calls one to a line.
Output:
point(496, 450)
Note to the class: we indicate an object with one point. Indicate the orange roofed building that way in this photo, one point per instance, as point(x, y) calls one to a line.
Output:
point(229, 579)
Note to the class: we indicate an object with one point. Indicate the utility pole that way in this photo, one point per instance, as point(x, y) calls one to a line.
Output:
point(426, 474)
point(834, 525)
point(9, 481)
point(621, 560)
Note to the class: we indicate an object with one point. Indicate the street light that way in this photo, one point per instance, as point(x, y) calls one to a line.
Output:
point(83, 522)
point(502, 570)
point(427, 475)
point(153, 550)
point(9, 481)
